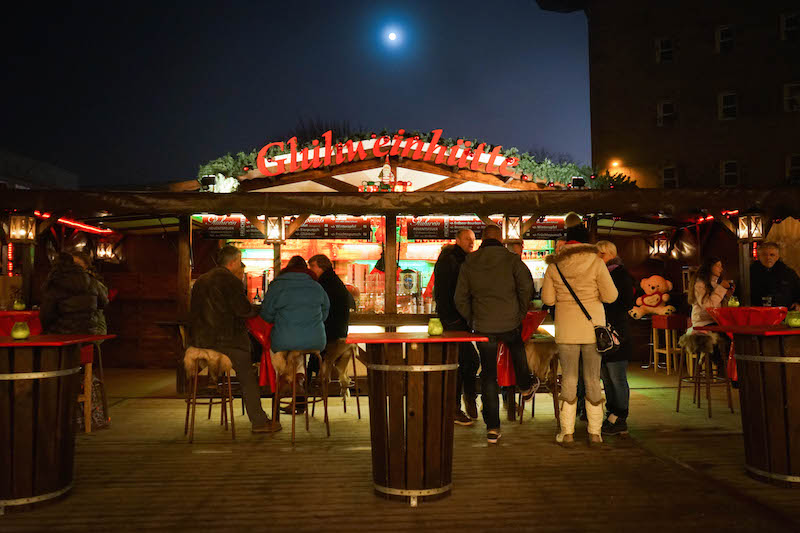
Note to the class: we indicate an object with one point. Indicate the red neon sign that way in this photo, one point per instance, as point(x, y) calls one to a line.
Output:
point(77, 225)
point(463, 155)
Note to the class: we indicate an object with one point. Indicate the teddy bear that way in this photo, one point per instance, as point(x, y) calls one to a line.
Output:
point(655, 298)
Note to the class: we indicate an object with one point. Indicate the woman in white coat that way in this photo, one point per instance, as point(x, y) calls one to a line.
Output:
point(589, 278)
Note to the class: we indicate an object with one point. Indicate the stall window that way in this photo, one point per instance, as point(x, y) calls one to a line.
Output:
point(727, 106)
point(664, 51)
point(790, 27)
point(669, 178)
point(667, 113)
point(729, 173)
point(725, 39)
point(791, 97)
point(793, 169)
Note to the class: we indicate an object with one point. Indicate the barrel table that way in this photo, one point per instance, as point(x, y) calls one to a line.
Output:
point(39, 385)
point(412, 401)
point(768, 364)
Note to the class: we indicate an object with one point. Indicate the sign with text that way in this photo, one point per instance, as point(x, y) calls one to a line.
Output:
point(438, 228)
point(238, 227)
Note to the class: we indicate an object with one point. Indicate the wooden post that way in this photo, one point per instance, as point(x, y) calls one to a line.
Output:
point(744, 272)
point(276, 259)
point(27, 271)
point(592, 227)
point(184, 289)
point(390, 265)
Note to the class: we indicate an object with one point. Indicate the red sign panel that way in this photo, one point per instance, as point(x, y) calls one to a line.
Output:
point(235, 227)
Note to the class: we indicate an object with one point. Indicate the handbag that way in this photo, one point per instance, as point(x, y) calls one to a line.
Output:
point(606, 336)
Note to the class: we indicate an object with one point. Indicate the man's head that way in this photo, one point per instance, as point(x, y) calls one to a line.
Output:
point(466, 240)
point(572, 219)
point(82, 258)
point(492, 232)
point(230, 257)
point(769, 253)
point(607, 250)
point(319, 263)
point(516, 246)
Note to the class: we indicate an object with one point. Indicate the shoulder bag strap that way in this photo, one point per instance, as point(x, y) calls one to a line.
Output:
point(585, 312)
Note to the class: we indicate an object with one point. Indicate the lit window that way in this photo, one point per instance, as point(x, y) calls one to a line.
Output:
point(790, 27)
point(793, 169)
point(725, 39)
point(727, 106)
point(669, 178)
point(791, 97)
point(664, 51)
point(729, 171)
point(667, 113)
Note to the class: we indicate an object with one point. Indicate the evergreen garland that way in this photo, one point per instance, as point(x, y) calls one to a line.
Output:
point(539, 171)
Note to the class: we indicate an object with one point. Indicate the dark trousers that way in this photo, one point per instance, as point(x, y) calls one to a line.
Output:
point(489, 388)
point(468, 363)
point(242, 364)
point(615, 383)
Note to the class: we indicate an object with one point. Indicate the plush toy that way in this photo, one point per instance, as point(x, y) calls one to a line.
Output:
point(655, 298)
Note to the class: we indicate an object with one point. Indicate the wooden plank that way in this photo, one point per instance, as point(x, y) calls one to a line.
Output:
point(23, 445)
point(377, 416)
point(336, 184)
point(774, 419)
point(450, 356)
point(184, 272)
point(433, 418)
point(47, 456)
point(397, 415)
point(295, 224)
point(443, 185)
point(791, 346)
point(390, 262)
point(415, 436)
point(67, 400)
point(6, 392)
point(757, 423)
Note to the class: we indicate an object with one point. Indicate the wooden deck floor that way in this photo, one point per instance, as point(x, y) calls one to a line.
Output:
point(676, 472)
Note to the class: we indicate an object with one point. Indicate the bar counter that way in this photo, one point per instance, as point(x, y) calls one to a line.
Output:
point(768, 364)
point(39, 385)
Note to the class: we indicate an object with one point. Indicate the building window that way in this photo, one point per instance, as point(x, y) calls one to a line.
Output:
point(725, 38)
point(793, 169)
point(669, 178)
point(664, 51)
point(790, 27)
point(729, 173)
point(791, 97)
point(667, 113)
point(727, 106)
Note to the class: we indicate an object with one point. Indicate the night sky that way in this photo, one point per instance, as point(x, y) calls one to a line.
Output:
point(139, 93)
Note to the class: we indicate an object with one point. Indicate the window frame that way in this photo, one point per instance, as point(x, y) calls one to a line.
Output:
point(721, 106)
point(791, 99)
point(674, 179)
point(795, 29)
point(793, 169)
point(719, 41)
point(663, 118)
point(723, 172)
point(661, 51)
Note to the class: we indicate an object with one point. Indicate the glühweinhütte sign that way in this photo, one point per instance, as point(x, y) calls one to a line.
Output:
point(324, 153)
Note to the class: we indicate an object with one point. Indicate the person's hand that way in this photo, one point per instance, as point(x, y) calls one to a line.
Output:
point(726, 284)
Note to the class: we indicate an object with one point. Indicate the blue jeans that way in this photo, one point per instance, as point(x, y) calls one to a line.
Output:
point(489, 389)
point(615, 382)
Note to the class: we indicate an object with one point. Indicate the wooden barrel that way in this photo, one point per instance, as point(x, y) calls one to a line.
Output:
point(38, 390)
point(412, 399)
point(769, 389)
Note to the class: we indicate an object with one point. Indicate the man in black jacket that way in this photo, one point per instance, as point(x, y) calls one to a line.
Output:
point(772, 282)
point(338, 317)
point(445, 277)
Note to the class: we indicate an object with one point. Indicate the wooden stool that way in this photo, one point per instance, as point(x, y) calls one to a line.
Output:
point(701, 346)
point(212, 358)
point(292, 356)
point(670, 325)
point(341, 348)
point(551, 381)
point(88, 381)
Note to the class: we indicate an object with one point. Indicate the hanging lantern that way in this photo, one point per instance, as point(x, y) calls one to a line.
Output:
point(512, 228)
point(751, 226)
point(659, 245)
point(108, 251)
point(275, 230)
point(22, 229)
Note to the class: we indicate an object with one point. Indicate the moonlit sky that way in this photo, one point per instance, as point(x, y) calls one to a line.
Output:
point(140, 92)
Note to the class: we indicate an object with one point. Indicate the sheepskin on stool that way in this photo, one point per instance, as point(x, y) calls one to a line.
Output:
point(697, 343)
point(215, 361)
point(539, 355)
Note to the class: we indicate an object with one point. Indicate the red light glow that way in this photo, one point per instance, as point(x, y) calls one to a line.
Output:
point(77, 225)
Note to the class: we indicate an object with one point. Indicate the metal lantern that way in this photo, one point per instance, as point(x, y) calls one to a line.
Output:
point(275, 230)
point(512, 228)
point(107, 251)
point(659, 245)
point(22, 229)
point(751, 226)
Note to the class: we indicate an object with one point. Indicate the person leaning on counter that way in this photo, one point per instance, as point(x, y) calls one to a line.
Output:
point(773, 282)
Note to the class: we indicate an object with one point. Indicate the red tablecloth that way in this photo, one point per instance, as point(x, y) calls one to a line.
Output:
point(505, 368)
point(9, 318)
point(262, 330)
point(745, 316)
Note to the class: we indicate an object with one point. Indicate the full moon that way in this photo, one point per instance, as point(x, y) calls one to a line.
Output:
point(392, 36)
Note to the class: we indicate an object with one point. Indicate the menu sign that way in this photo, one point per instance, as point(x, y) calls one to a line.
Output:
point(546, 230)
point(334, 228)
point(228, 227)
point(438, 228)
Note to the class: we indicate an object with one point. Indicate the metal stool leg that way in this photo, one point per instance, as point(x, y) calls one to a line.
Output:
point(680, 380)
point(194, 399)
point(230, 403)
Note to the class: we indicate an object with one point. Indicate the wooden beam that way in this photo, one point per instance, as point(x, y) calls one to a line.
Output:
point(255, 180)
point(528, 224)
point(486, 220)
point(471, 175)
point(261, 225)
point(185, 186)
point(336, 184)
point(440, 186)
point(44, 225)
point(184, 264)
point(390, 264)
point(296, 223)
point(725, 221)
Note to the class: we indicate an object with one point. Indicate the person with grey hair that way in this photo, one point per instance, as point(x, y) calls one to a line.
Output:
point(773, 282)
point(218, 311)
point(493, 291)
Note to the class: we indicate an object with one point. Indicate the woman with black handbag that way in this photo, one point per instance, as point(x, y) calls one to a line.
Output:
point(577, 282)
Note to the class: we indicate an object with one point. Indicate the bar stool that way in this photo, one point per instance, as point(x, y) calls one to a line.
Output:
point(551, 384)
point(337, 359)
point(702, 347)
point(88, 354)
point(293, 358)
point(212, 359)
point(670, 325)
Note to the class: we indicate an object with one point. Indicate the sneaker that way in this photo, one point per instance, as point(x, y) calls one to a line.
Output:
point(472, 408)
point(528, 394)
point(617, 428)
point(462, 419)
point(492, 436)
point(300, 408)
point(266, 428)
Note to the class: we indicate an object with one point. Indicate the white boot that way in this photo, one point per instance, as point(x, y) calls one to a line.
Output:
point(566, 418)
point(594, 414)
